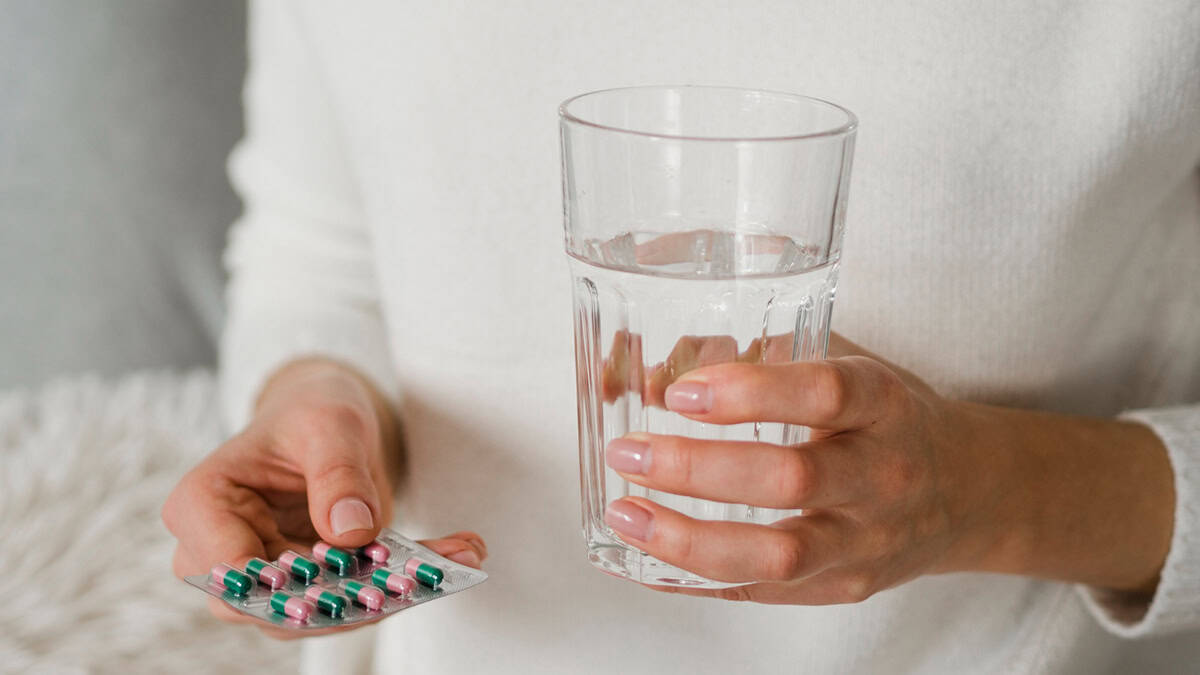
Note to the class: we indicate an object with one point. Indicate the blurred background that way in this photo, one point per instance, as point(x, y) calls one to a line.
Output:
point(116, 119)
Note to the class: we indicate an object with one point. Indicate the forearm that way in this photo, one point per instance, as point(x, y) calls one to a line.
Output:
point(1080, 499)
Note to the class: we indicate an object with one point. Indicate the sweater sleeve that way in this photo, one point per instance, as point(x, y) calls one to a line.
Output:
point(1175, 605)
point(301, 274)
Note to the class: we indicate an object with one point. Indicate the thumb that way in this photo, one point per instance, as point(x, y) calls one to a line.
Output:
point(343, 500)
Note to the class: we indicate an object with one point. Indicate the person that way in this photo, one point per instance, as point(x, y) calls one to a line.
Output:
point(1014, 489)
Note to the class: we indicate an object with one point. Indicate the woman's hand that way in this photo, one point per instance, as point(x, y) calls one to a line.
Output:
point(313, 464)
point(895, 482)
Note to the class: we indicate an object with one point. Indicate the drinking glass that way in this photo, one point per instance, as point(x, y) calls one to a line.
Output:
point(704, 226)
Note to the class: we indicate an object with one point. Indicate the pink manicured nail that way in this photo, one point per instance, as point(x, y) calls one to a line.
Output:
point(465, 557)
point(350, 514)
point(628, 456)
point(689, 397)
point(629, 519)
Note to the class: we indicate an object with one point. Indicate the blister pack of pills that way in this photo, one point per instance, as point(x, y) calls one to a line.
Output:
point(338, 587)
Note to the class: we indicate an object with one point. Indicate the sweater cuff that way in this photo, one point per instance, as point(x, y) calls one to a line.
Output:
point(1175, 604)
point(248, 361)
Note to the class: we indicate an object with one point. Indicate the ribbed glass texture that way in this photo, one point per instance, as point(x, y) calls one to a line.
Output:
point(703, 225)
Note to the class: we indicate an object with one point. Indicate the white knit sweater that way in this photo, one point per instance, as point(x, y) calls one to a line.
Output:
point(1024, 229)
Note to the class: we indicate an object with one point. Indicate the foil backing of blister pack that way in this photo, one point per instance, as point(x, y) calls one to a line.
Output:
point(256, 603)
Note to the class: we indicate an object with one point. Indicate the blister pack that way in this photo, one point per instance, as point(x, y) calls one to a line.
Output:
point(337, 587)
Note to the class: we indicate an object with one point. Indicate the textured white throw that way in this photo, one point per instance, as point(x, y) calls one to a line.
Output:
point(85, 562)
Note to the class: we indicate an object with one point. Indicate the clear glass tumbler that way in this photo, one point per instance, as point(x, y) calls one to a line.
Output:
point(704, 225)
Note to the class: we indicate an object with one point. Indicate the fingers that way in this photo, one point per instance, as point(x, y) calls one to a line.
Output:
point(817, 474)
point(335, 458)
point(465, 548)
point(835, 394)
point(689, 353)
point(831, 587)
point(216, 521)
point(726, 551)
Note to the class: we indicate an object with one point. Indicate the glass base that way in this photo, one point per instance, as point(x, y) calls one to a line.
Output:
point(626, 562)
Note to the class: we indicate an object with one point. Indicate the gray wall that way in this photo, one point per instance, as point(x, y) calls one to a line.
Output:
point(116, 117)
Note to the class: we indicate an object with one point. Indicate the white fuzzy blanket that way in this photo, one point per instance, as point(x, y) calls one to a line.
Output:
point(85, 563)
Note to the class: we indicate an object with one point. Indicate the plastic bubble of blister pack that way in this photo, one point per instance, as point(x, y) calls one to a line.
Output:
point(338, 587)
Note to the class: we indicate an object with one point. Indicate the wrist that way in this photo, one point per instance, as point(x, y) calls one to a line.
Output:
point(992, 499)
point(1076, 499)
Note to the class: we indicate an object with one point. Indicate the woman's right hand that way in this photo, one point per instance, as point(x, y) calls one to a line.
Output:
point(313, 464)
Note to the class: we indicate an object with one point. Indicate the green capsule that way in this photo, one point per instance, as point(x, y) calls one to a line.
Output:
point(395, 583)
point(267, 574)
point(282, 603)
point(330, 603)
point(336, 558)
point(234, 581)
point(304, 569)
point(423, 572)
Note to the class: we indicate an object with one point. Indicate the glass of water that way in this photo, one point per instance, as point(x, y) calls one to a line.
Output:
point(703, 225)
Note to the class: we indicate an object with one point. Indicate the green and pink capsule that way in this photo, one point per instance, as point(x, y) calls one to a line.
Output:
point(330, 603)
point(231, 580)
point(289, 605)
point(423, 572)
point(375, 552)
point(393, 582)
point(337, 559)
point(300, 567)
point(367, 596)
point(267, 574)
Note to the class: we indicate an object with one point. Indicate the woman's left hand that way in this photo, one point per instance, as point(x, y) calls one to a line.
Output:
point(895, 482)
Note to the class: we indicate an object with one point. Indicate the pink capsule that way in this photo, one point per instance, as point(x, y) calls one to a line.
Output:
point(291, 606)
point(375, 552)
point(368, 596)
point(267, 574)
point(390, 581)
point(225, 576)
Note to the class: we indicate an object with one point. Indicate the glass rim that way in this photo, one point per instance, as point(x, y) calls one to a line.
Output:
point(849, 126)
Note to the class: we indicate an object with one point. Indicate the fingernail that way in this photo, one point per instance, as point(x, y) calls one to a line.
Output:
point(465, 557)
point(689, 397)
point(629, 519)
point(349, 514)
point(628, 456)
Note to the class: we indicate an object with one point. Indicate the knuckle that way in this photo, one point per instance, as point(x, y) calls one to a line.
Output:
point(831, 388)
point(672, 462)
point(785, 560)
point(794, 476)
point(170, 512)
point(173, 508)
point(339, 471)
point(886, 384)
point(329, 419)
point(857, 587)
point(679, 546)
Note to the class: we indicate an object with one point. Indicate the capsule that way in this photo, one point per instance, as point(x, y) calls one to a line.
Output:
point(375, 552)
point(367, 596)
point(423, 572)
point(231, 579)
point(390, 581)
point(304, 569)
point(331, 603)
point(289, 605)
point(267, 574)
point(336, 558)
